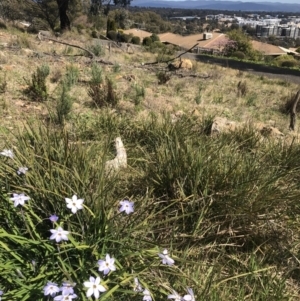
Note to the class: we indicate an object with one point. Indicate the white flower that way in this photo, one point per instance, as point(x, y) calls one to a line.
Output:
point(147, 295)
point(106, 265)
point(126, 206)
point(65, 297)
point(137, 285)
point(94, 287)
point(74, 204)
point(67, 288)
point(22, 170)
point(50, 289)
point(166, 259)
point(175, 296)
point(59, 234)
point(19, 199)
point(7, 153)
point(190, 296)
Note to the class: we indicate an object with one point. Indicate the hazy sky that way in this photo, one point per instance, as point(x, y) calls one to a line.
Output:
point(274, 1)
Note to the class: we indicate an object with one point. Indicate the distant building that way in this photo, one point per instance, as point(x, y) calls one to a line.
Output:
point(279, 31)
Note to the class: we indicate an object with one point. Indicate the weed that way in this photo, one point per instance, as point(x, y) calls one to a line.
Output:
point(56, 76)
point(71, 76)
point(139, 94)
point(37, 88)
point(3, 83)
point(163, 77)
point(116, 68)
point(242, 88)
point(68, 50)
point(96, 72)
point(251, 99)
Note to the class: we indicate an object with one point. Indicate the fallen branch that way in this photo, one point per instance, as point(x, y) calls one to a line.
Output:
point(170, 60)
point(91, 54)
point(294, 111)
point(113, 42)
point(181, 75)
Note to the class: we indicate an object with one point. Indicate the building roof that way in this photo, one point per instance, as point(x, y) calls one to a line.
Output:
point(138, 33)
point(189, 41)
point(268, 49)
point(217, 41)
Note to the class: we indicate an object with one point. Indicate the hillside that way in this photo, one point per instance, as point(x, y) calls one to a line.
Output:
point(141, 181)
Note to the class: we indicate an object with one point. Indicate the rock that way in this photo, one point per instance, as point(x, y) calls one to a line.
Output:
point(180, 64)
point(222, 125)
point(120, 161)
point(26, 51)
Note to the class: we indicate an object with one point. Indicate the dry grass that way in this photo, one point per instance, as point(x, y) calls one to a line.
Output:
point(217, 94)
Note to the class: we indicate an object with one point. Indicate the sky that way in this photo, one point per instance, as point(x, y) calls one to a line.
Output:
point(273, 1)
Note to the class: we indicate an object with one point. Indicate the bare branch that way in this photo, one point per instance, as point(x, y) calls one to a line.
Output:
point(167, 61)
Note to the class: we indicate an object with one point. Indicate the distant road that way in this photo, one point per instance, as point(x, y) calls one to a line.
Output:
point(269, 71)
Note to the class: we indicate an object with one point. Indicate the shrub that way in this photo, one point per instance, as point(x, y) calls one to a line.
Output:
point(286, 61)
point(37, 88)
point(94, 34)
point(116, 68)
point(239, 55)
point(155, 38)
point(71, 76)
point(298, 50)
point(124, 38)
point(242, 88)
point(139, 94)
point(103, 95)
point(113, 35)
point(63, 104)
point(136, 40)
point(147, 41)
point(289, 64)
point(96, 48)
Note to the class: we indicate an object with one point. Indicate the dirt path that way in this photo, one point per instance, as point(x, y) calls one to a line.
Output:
point(290, 75)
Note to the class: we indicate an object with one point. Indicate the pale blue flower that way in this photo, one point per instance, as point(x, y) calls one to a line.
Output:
point(107, 265)
point(175, 296)
point(127, 206)
point(74, 204)
point(94, 287)
point(147, 295)
point(137, 286)
point(166, 259)
point(59, 234)
point(53, 218)
point(19, 199)
point(7, 153)
point(67, 288)
point(65, 297)
point(22, 170)
point(51, 289)
point(190, 296)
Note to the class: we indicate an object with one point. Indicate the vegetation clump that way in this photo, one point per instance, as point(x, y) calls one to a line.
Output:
point(37, 87)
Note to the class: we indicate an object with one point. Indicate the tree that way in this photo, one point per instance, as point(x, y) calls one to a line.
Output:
point(63, 6)
point(240, 42)
point(103, 6)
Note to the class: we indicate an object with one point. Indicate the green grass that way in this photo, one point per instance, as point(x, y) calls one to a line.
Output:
point(226, 208)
